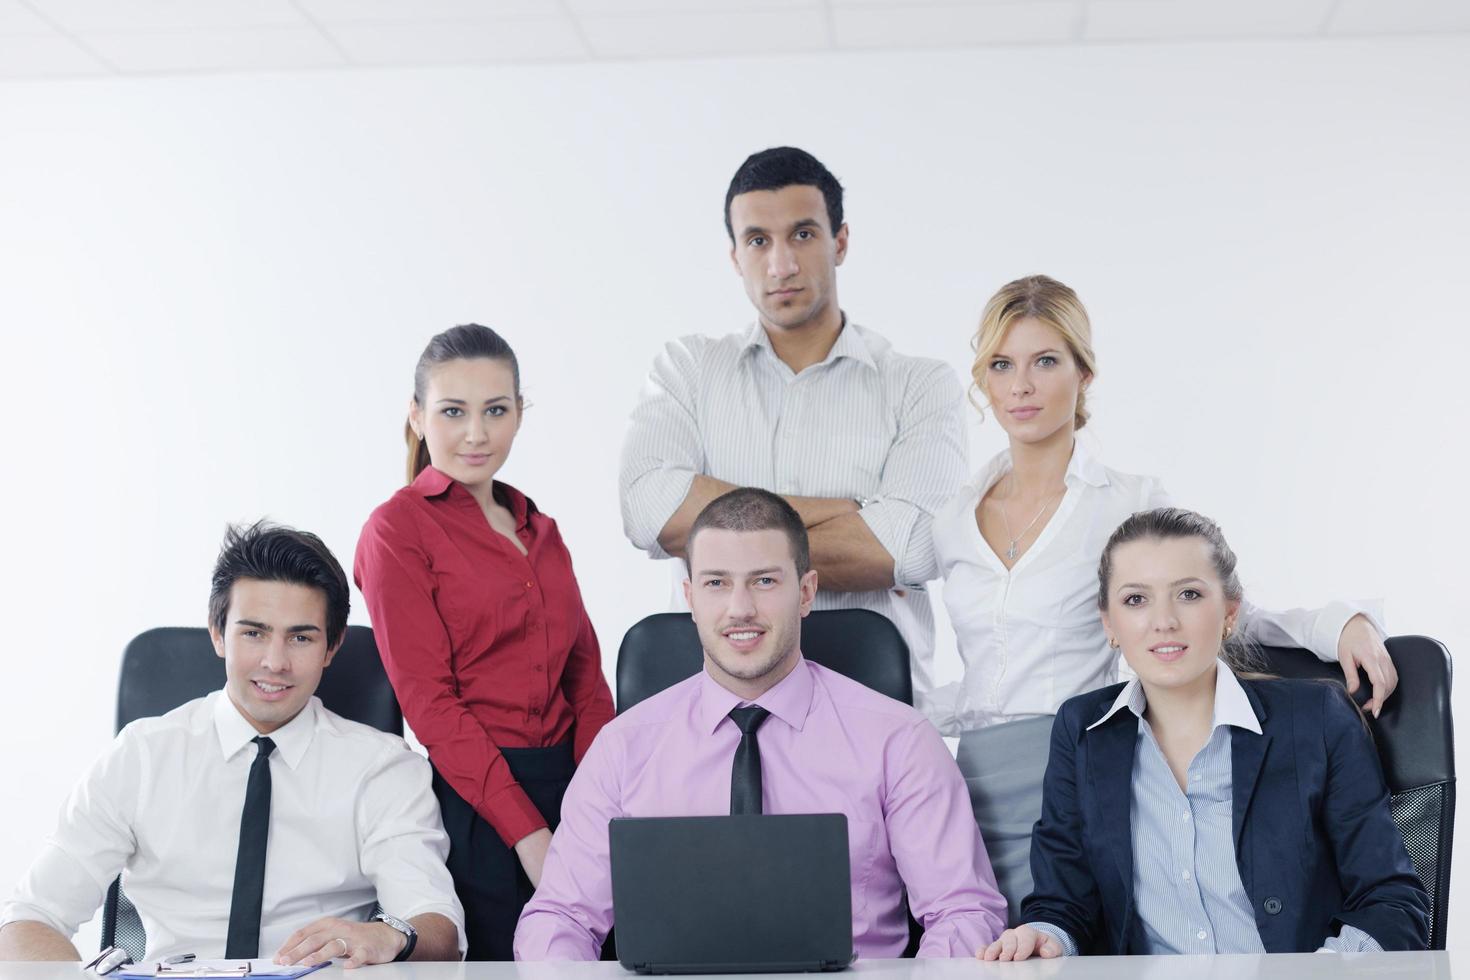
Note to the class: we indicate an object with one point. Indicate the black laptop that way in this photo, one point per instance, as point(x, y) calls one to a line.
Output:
point(747, 894)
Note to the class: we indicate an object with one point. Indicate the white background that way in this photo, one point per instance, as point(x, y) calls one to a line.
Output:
point(213, 291)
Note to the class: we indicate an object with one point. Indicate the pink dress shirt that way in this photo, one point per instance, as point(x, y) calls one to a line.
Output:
point(831, 746)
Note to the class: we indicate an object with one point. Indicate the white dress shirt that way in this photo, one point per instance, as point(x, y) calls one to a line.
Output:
point(1031, 637)
point(865, 422)
point(353, 823)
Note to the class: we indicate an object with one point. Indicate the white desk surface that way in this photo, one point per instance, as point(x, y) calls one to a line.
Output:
point(1282, 966)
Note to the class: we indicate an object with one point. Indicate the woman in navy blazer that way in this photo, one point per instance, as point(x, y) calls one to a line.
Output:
point(1192, 810)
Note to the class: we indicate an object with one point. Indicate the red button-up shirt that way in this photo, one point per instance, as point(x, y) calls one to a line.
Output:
point(485, 647)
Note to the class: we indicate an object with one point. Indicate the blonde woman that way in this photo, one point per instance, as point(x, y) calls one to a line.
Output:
point(1018, 547)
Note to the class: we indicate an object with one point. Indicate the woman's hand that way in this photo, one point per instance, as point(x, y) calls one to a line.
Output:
point(1021, 943)
point(1361, 646)
point(531, 850)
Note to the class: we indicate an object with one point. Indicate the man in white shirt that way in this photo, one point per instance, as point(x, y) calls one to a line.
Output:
point(864, 442)
point(254, 822)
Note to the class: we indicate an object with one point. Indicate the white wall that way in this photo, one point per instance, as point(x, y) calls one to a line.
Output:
point(212, 292)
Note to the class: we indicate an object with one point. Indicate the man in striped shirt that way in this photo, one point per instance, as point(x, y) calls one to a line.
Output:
point(864, 442)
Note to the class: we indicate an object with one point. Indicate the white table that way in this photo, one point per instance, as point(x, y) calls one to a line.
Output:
point(1293, 966)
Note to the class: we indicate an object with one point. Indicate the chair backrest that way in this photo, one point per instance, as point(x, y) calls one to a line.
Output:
point(168, 666)
point(165, 667)
point(1415, 738)
point(663, 649)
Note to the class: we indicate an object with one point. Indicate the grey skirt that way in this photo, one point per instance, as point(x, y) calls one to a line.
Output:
point(1003, 766)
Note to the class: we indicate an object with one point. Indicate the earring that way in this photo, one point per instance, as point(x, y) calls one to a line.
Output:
point(1226, 634)
point(1112, 644)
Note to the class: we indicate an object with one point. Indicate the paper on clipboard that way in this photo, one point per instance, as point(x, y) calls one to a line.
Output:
point(261, 969)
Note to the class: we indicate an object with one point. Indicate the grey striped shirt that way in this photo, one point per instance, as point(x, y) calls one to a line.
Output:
point(864, 422)
point(1186, 884)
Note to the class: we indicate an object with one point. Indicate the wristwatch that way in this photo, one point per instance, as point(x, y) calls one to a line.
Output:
point(409, 932)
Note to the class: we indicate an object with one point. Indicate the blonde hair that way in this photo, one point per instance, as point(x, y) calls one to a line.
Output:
point(1049, 301)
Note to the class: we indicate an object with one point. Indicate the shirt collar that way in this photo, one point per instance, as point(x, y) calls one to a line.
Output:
point(1082, 467)
point(235, 733)
point(850, 343)
point(790, 699)
point(1232, 706)
point(432, 483)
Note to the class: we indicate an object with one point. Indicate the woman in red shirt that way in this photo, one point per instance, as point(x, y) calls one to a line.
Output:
point(482, 630)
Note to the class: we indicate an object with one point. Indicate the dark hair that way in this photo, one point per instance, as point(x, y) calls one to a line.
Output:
point(464, 342)
point(275, 553)
point(783, 166)
point(753, 509)
point(1174, 522)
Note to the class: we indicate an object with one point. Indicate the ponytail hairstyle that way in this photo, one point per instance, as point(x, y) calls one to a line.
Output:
point(464, 342)
point(1167, 523)
point(1054, 304)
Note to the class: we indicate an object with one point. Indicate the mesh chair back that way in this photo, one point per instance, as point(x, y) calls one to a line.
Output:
point(166, 667)
point(663, 649)
point(1414, 735)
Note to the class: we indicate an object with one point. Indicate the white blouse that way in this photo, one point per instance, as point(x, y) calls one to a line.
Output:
point(1031, 637)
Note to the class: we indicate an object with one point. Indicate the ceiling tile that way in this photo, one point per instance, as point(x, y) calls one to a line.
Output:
point(838, 4)
point(953, 26)
point(422, 11)
point(35, 57)
point(708, 33)
point(17, 18)
point(264, 49)
point(1114, 20)
point(1400, 16)
point(519, 39)
point(84, 16)
point(609, 8)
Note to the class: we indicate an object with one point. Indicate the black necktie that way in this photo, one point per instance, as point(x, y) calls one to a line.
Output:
point(255, 824)
point(745, 775)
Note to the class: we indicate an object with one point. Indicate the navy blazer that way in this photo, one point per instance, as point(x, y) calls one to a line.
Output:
point(1314, 840)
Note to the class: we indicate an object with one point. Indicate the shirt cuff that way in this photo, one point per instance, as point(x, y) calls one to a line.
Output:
point(23, 912)
point(1351, 940)
point(1331, 618)
point(892, 523)
point(512, 814)
point(1068, 944)
point(648, 505)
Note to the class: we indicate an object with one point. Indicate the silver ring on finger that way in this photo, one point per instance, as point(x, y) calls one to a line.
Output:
point(345, 950)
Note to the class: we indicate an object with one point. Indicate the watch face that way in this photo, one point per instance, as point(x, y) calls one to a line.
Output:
point(395, 922)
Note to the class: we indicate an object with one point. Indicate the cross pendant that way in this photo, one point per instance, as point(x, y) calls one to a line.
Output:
point(1011, 552)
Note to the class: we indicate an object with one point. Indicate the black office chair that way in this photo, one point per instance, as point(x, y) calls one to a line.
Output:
point(1415, 738)
point(165, 667)
point(661, 650)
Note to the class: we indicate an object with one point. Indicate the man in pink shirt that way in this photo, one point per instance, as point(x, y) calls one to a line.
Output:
point(803, 739)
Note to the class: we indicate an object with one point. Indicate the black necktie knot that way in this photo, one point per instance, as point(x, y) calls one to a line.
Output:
point(745, 774)
point(264, 746)
point(749, 718)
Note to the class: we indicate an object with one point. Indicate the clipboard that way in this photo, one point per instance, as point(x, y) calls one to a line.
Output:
point(214, 970)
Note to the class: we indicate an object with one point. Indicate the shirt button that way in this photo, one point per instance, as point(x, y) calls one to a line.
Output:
point(538, 668)
point(1185, 875)
point(1200, 934)
point(529, 584)
point(535, 712)
point(1184, 815)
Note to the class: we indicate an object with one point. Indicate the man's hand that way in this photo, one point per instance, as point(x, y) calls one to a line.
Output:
point(1020, 943)
point(361, 943)
point(1361, 646)
point(531, 850)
